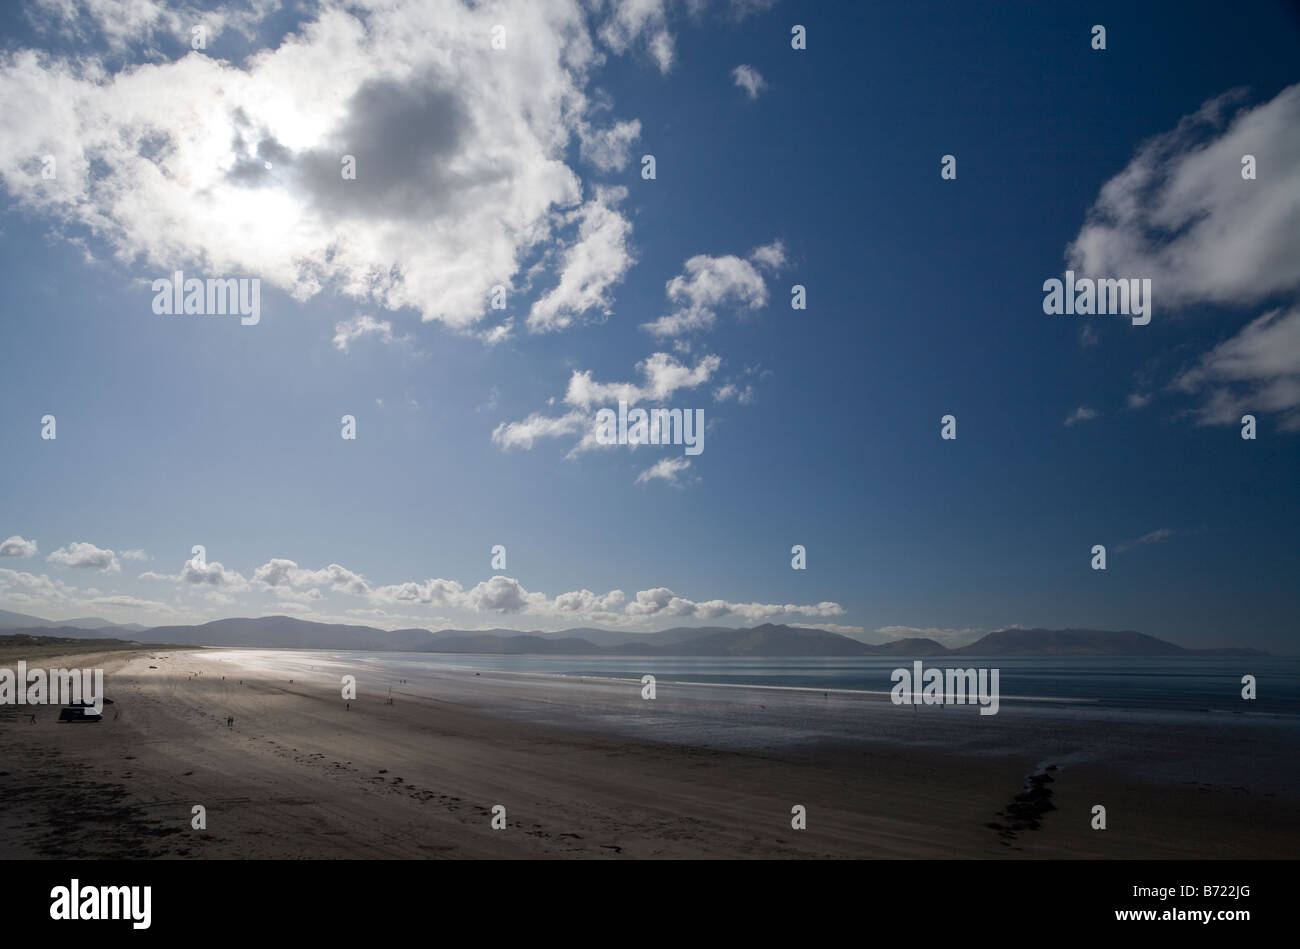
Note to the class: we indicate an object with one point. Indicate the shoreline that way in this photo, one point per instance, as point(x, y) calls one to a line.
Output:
point(299, 775)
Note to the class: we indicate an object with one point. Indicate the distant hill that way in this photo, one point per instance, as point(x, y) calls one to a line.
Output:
point(779, 640)
point(20, 638)
point(768, 639)
point(96, 622)
point(516, 645)
point(286, 632)
point(1068, 642)
point(591, 635)
point(52, 632)
point(912, 646)
point(11, 620)
point(117, 627)
point(1082, 642)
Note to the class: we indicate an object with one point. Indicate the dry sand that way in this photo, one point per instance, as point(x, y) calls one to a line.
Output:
point(299, 776)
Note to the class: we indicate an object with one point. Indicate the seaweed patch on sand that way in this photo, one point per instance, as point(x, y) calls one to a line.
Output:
point(1026, 810)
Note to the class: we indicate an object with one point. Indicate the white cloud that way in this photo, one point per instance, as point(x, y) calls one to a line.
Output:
point(299, 596)
point(665, 469)
point(1153, 537)
point(502, 594)
point(524, 434)
point(748, 78)
point(1081, 414)
point(299, 589)
point(708, 283)
point(125, 23)
point(609, 148)
point(766, 612)
point(1182, 215)
point(16, 546)
point(645, 24)
point(497, 334)
point(585, 602)
point(631, 21)
point(771, 256)
point(347, 331)
point(395, 620)
point(37, 592)
point(590, 267)
point(126, 601)
point(134, 555)
point(298, 610)
point(1257, 370)
point(279, 572)
point(210, 573)
point(459, 149)
point(85, 556)
point(726, 393)
point(660, 601)
point(32, 586)
point(499, 594)
point(433, 592)
point(662, 375)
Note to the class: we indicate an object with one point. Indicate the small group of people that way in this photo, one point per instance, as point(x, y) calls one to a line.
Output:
point(230, 721)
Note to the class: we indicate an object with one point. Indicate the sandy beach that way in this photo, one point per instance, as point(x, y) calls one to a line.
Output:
point(301, 775)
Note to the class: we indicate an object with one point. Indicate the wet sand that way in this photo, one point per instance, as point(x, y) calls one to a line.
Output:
point(299, 776)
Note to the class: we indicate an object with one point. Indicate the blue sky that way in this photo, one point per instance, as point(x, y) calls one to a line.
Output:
point(521, 167)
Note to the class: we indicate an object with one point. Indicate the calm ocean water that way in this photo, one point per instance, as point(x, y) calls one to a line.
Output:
point(1191, 684)
point(1167, 719)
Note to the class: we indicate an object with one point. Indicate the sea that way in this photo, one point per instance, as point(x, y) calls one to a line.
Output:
point(1181, 719)
point(1196, 685)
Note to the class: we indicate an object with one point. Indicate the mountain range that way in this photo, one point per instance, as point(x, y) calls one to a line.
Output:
point(769, 639)
point(11, 620)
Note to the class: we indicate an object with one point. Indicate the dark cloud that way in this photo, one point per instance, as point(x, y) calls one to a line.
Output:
point(404, 137)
